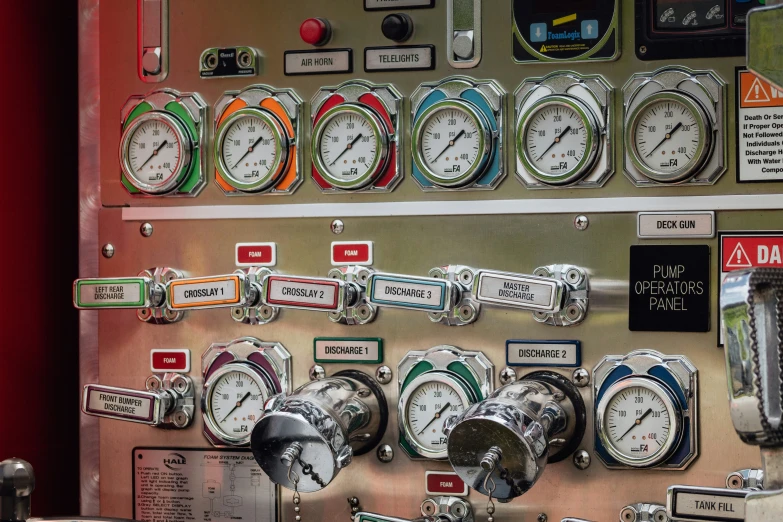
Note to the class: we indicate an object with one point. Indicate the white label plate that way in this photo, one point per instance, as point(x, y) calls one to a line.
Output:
point(408, 293)
point(191, 485)
point(111, 403)
point(204, 293)
point(319, 62)
point(302, 293)
point(520, 353)
point(398, 58)
point(348, 350)
point(652, 225)
point(516, 291)
point(708, 507)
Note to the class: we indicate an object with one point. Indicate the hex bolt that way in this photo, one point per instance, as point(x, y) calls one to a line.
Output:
point(385, 453)
point(337, 227)
point(383, 374)
point(146, 229)
point(317, 372)
point(582, 459)
point(108, 250)
point(581, 222)
point(581, 377)
point(507, 375)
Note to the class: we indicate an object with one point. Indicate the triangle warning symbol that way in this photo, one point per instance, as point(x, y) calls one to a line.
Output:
point(757, 93)
point(543, 49)
point(739, 258)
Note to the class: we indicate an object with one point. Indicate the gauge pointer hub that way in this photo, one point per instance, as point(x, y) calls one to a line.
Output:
point(451, 144)
point(555, 142)
point(437, 416)
point(347, 148)
point(636, 423)
point(238, 404)
point(155, 152)
point(665, 138)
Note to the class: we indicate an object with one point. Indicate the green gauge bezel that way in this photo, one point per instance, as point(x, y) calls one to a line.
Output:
point(592, 147)
point(380, 135)
point(281, 145)
point(186, 152)
point(485, 142)
point(703, 148)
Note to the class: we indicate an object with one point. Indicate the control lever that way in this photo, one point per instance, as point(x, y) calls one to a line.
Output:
point(501, 445)
point(168, 401)
point(304, 439)
point(752, 311)
point(436, 509)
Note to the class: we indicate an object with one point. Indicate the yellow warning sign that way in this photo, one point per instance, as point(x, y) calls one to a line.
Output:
point(755, 92)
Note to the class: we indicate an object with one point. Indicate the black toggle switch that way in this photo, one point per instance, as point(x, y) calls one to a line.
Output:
point(397, 27)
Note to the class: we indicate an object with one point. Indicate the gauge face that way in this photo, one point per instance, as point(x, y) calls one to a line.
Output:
point(557, 140)
point(349, 147)
point(234, 403)
point(426, 404)
point(450, 143)
point(668, 137)
point(250, 152)
point(155, 153)
point(640, 422)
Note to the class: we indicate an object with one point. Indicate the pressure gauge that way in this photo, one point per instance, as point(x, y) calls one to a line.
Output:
point(669, 137)
point(557, 139)
point(425, 404)
point(233, 400)
point(350, 146)
point(155, 152)
point(639, 421)
point(451, 143)
point(251, 150)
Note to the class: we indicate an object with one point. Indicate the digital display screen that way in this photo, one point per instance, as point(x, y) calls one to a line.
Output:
point(689, 15)
point(565, 6)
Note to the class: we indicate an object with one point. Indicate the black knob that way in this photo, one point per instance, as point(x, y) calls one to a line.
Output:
point(397, 27)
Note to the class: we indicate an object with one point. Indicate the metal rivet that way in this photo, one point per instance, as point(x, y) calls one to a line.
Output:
point(507, 375)
point(383, 374)
point(542, 517)
point(581, 377)
point(582, 459)
point(107, 250)
point(337, 226)
point(642, 49)
point(317, 372)
point(385, 453)
point(581, 222)
point(146, 229)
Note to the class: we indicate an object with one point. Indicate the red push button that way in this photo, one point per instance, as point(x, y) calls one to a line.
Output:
point(444, 483)
point(352, 253)
point(170, 361)
point(315, 31)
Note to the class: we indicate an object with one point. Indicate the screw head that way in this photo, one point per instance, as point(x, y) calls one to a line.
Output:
point(317, 372)
point(146, 229)
point(581, 377)
point(337, 226)
point(542, 517)
point(383, 374)
point(582, 459)
point(507, 375)
point(108, 250)
point(385, 453)
point(581, 222)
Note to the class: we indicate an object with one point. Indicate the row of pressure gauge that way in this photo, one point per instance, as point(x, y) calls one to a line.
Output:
point(674, 133)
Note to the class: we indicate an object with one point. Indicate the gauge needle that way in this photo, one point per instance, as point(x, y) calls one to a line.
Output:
point(238, 404)
point(451, 144)
point(665, 138)
point(636, 423)
point(155, 152)
point(557, 140)
point(437, 416)
point(249, 150)
point(346, 149)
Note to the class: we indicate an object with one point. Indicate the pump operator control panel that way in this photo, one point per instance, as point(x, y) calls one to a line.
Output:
point(428, 256)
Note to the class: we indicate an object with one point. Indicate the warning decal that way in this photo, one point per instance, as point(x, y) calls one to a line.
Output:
point(759, 129)
point(739, 250)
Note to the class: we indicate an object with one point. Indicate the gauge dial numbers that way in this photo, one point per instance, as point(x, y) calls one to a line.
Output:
point(251, 150)
point(557, 139)
point(668, 137)
point(451, 143)
point(425, 404)
point(639, 422)
point(233, 401)
point(155, 153)
point(350, 146)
